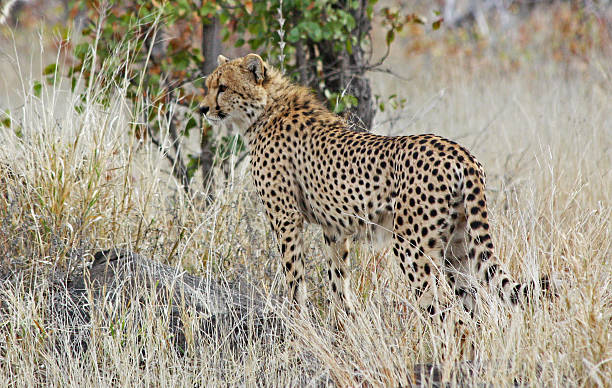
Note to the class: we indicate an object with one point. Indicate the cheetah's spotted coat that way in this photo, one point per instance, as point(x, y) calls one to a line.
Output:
point(425, 192)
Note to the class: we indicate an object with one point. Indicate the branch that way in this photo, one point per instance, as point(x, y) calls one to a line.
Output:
point(198, 74)
point(159, 146)
point(181, 170)
point(388, 71)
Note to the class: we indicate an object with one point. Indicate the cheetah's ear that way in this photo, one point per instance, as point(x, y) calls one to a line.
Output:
point(255, 65)
point(221, 60)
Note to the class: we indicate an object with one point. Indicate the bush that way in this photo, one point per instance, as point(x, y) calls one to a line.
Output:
point(171, 46)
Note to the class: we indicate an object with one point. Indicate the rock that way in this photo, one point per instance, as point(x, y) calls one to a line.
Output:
point(235, 311)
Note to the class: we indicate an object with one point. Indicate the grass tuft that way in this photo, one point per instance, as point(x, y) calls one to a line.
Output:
point(76, 180)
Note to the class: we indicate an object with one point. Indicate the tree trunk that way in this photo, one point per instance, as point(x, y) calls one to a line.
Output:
point(211, 48)
point(211, 45)
point(346, 71)
point(359, 85)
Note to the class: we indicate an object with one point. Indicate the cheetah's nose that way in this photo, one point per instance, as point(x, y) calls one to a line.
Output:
point(204, 109)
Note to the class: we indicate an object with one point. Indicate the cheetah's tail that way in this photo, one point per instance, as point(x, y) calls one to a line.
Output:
point(485, 264)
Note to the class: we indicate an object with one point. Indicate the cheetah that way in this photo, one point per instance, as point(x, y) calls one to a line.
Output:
point(423, 193)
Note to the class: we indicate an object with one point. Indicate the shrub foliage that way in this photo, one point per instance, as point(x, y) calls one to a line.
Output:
point(172, 45)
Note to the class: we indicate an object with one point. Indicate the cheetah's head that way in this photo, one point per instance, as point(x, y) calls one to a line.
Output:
point(236, 91)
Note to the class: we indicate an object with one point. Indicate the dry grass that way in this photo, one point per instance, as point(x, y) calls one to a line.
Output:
point(74, 182)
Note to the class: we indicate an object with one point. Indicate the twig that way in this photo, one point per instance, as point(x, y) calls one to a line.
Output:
point(390, 72)
point(487, 126)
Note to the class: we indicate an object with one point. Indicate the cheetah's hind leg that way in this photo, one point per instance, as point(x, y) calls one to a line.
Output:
point(338, 276)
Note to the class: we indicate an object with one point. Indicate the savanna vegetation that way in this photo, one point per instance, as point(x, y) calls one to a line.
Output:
point(101, 146)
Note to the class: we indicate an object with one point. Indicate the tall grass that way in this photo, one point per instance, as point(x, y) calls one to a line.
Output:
point(77, 180)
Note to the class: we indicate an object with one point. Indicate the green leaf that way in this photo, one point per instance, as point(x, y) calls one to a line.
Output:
point(228, 146)
point(6, 121)
point(185, 5)
point(436, 25)
point(347, 19)
point(50, 69)
point(192, 165)
point(181, 60)
point(328, 31)
point(191, 123)
point(419, 19)
point(224, 18)
point(349, 46)
point(390, 37)
point(80, 51)
point(208, 8)
point(352, 100)
point(37, 88)
point(312, 29)
point(294, 35)
point(225, 34)
point(256, 43)
point(339, 108)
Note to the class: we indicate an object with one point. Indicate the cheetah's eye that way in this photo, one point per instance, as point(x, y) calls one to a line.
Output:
point(222, 88)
